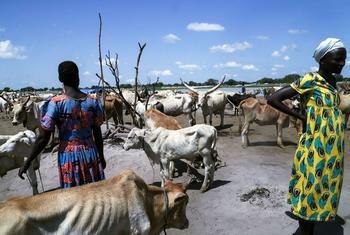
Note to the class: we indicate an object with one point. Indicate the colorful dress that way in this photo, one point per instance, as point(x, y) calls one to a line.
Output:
point(317, 173)
point(78, 158)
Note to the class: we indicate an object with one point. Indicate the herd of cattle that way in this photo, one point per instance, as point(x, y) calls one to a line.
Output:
point(125, 204)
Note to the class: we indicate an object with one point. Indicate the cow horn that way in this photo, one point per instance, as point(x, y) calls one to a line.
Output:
point(189, 87)
point(9, 102)
point(215, 87)
point(25, 103)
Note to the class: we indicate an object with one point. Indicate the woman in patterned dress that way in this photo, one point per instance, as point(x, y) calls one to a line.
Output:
point(317, 172)
point(78, 117)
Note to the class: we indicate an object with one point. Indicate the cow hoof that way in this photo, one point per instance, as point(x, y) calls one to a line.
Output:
point(204, 189)
point(282, 146)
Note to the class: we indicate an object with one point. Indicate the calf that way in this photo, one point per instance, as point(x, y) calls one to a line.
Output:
point(258, 111)
point(121, 205)
point(163, 146)
point(113, 106)
point(13, 153)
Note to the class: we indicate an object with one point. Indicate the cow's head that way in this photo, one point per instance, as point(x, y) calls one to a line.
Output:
point(202, 100)
point(135, 139)
point(178, 200)
point(19, 112)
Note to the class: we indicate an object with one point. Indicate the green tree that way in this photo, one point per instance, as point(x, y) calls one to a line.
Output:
point(231, 82)
point(7, 89)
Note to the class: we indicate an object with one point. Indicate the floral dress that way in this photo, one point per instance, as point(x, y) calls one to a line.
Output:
point(317, 173)
point(78, 158)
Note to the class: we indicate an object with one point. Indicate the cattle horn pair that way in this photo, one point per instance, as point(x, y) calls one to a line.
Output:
point(207, 92)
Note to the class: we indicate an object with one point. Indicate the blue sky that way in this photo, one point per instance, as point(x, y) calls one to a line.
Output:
point(194, 40)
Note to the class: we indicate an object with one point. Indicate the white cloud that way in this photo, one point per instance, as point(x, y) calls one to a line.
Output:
point(178, 62)
point(205, 27)
point(297, 31)
point(164, 73)
point(279, 66)
point(190, 67)
point(274, 69)
point(263, 37)
point(347, 63)
point(2, 29)
point(249, 67)
point(276, 54)
point(9, 51)
point(313, 68)
point(171, 38)
point(283, 49)
point(286, 58)
point(230, 48)
point(86, 73)
point(233, 64)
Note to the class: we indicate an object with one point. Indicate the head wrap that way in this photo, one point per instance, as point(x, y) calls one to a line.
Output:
point(326, 46)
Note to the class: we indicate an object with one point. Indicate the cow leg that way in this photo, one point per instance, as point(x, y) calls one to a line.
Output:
point(192, 120)
point(346, 120)
point(115, 120)
point(211, 118)
point(279, 135)
point(245, 130)
point(32, 179)
point(222, 114)
point(205, 119)
point(209, 171)
point(172, 168)
point(164, 170)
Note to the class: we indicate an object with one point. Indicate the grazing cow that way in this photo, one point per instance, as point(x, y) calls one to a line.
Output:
point(162, 146)
point(113, 107)
point(258, 111)
point(14, 152)
point(121, 205)
point(211, 102)
point(28, 113)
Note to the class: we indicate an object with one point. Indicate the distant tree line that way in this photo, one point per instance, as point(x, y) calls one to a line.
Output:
point(210, 82)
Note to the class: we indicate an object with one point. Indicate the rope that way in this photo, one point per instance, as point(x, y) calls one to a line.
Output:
point(41, 181)
point(166, 202)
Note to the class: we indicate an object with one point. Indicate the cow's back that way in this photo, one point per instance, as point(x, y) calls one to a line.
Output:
point(112, 206)
point(155, 119)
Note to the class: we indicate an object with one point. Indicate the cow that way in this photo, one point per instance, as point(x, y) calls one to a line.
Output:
point(344, 105)
point(162, 146)
point(28, 113)
point(154, 119)
point(177, 105)
point(14, 152)
point(120, 205)
point(258, 111)
point(211, 102)
point(113, 107)
point(236, 99)
point(5, 105)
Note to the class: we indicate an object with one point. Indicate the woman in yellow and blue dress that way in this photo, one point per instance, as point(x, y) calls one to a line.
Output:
point(317, 172)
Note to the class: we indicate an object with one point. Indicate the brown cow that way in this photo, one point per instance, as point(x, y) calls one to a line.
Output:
point(113, 106)
point(121, 205)
point(155, 119)
point(258, 111)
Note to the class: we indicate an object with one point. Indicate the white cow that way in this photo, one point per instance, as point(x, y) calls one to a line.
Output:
point(14, 152)
point(211, 102)
point(27, 113)
point(163, 146)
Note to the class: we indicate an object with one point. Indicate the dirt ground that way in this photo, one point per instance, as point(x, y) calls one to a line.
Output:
point(230, 207)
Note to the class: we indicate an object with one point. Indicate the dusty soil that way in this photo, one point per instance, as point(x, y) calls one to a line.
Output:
point(249, 193)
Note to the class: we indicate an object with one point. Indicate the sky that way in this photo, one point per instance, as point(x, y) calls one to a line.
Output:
point(189, 39)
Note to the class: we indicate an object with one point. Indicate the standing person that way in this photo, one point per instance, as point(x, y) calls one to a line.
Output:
point(317, 172)
point(243, 88)
point(78, 117)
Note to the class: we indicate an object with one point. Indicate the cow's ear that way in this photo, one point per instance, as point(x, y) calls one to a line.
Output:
point(180, 197)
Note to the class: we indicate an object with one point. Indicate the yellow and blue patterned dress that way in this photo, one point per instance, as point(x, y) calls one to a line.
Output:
point(317, 173)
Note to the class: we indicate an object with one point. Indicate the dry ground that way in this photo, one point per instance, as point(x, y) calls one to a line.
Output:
point(220, 210)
